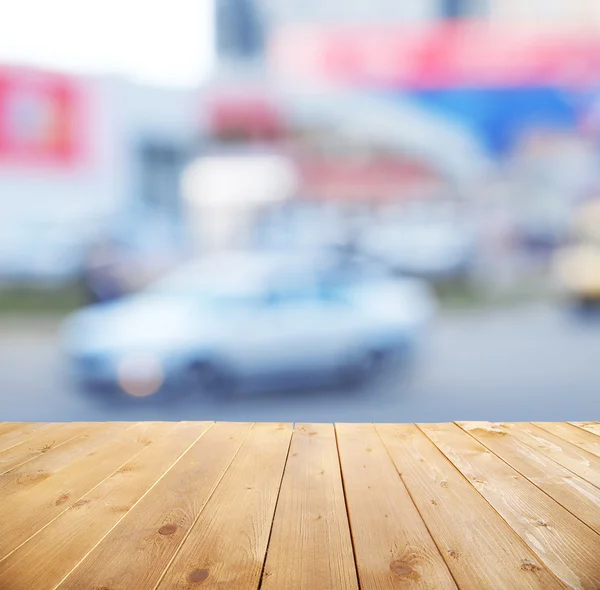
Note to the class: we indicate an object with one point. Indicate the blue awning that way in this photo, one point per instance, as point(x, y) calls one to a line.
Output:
point(499, 115)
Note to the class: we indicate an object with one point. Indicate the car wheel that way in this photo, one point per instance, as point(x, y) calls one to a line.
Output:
point(375, 362)
point(211, 379)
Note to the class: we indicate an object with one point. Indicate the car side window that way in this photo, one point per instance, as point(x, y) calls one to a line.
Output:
point(314, 290)
point(289, 296)
point(334, 293)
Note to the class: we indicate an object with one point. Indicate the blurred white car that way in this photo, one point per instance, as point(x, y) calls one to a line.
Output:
point(242, 319)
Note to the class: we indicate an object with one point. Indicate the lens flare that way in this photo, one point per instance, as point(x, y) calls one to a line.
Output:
point(140, 375)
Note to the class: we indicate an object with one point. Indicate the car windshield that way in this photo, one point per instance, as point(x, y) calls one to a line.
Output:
point(236, 282)
point(218, 281)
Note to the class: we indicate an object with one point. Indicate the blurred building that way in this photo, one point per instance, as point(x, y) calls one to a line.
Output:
point(303, 12)
point(583, 14)
point(431, 92)
point(240, 30)
point(79, 155)
point(91, 145)
point(286, 12)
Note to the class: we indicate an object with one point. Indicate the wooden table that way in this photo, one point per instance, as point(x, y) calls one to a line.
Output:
point(230, 505)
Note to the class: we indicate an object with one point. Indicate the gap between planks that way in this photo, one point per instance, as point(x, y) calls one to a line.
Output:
point(151, 512)
point(130, 426)
point(102, 507)
point(583, 506)
point(310, 544)
point(522, 503)
point(450, 465)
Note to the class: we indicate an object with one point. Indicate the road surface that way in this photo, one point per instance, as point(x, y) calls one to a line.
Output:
point(534, 363)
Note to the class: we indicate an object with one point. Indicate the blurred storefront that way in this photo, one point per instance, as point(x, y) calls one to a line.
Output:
point(79, 155)
point(493, 78)
point(347, 147)
point(500, 79)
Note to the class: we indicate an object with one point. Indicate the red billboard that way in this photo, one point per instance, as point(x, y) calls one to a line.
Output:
point(436, 56)
point(41, 119)
point(249, 115)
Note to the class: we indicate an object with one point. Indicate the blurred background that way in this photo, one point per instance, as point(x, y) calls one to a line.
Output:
point(300, 210)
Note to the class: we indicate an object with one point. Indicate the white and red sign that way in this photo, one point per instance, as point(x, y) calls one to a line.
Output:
point(41, 119)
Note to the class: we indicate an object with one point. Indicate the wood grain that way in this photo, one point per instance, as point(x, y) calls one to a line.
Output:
point(567, 546)
point(26, 513)
point(16, 436)
point(39, 443)
point(479, 547)
point(592, 427)
point(578, 496)
point(47, 464)
point(570, 456)
point(310, 545)
point(577, 436)
point(156, 505)
point(140, 547)
point(6, 427)
point(227, 545)
point(42, 561)
point(392, 544)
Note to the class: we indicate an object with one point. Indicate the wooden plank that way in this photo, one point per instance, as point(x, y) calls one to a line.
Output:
point(6, 427)
point(22, 434)
point(576, 460)
point(392, 544)
point(44, 560)
point(26, 513)
point(47, 464)
point(139, 548)
point(578, 436)
point(227, 545)
point(566, 545)
point(578, 496)
point(40, 443)
point(310, 545)
point(592, 427)
point(481, 550)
